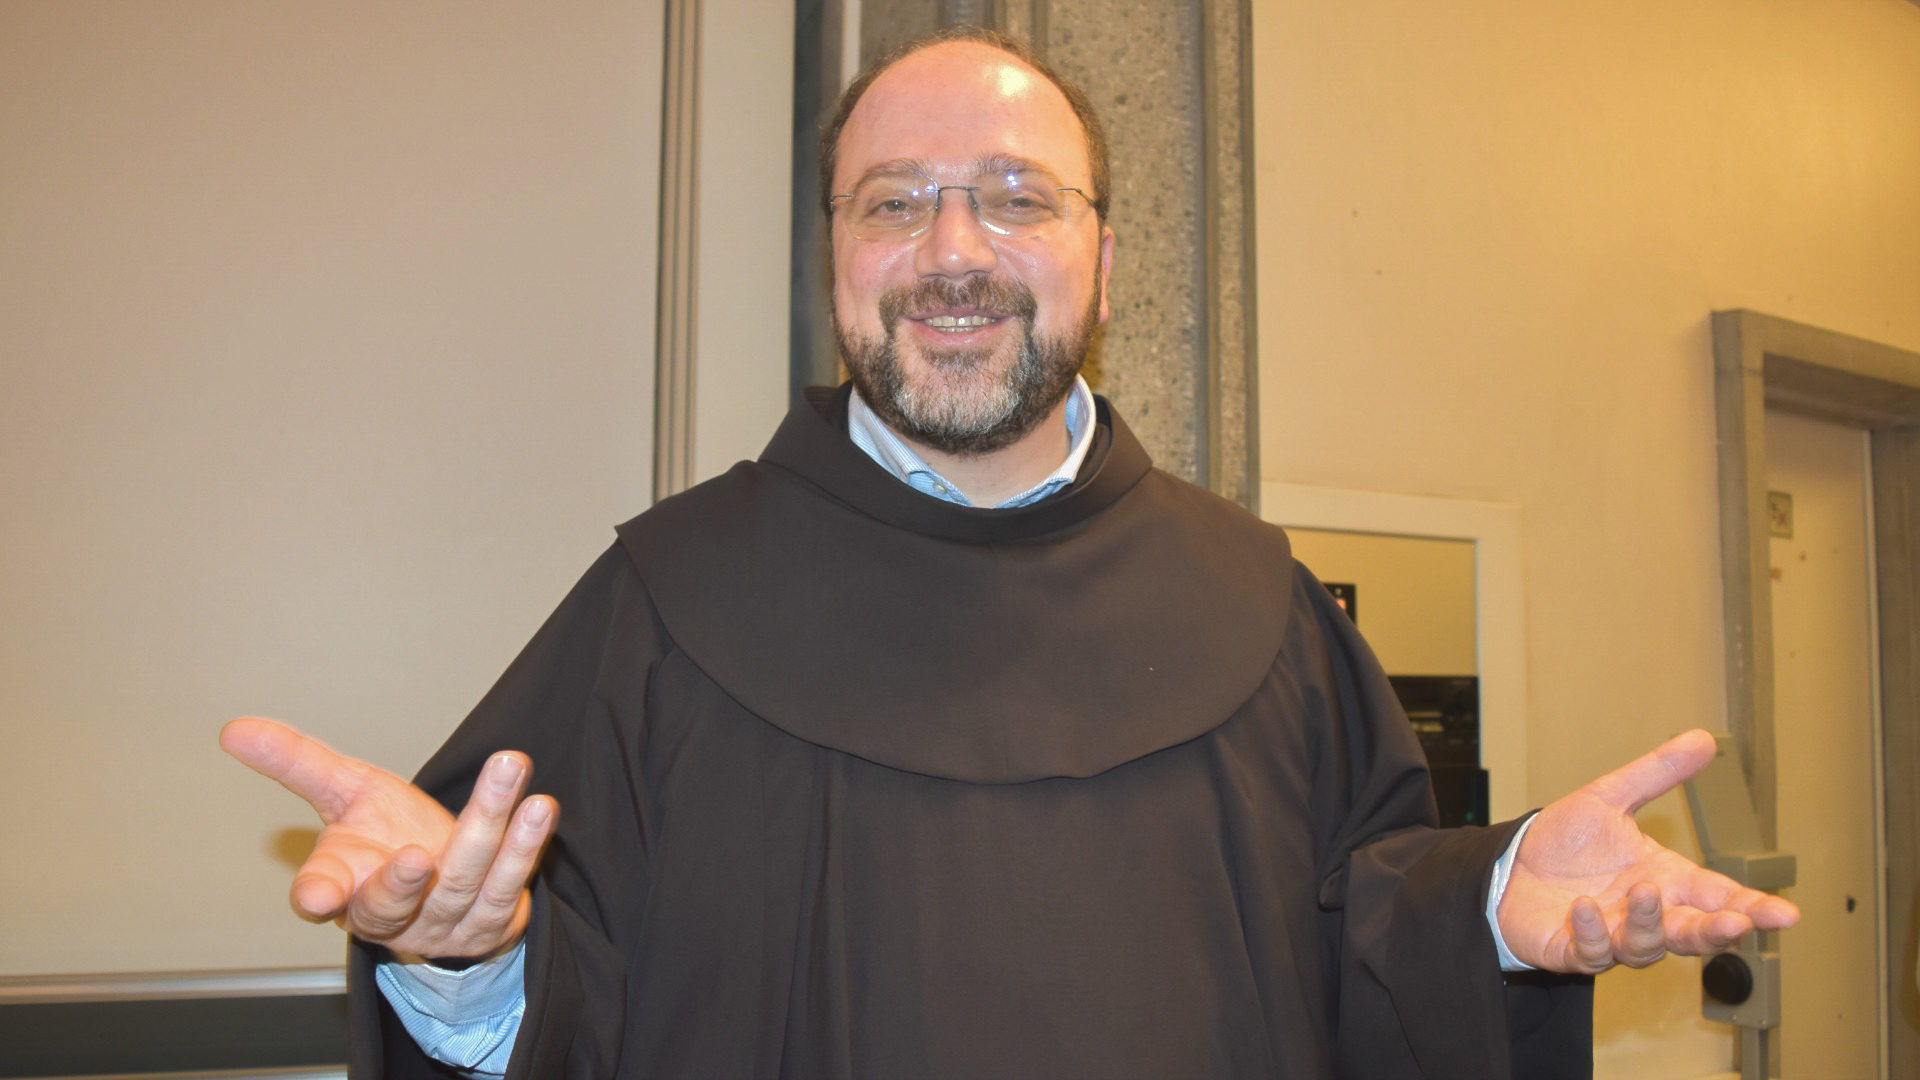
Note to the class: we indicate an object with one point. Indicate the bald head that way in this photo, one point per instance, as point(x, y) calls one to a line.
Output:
point(980, 45)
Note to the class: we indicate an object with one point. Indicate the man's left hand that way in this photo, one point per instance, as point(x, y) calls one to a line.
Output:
point(1589, 890)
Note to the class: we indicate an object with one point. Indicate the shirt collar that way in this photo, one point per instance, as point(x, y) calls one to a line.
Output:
point(892, 453)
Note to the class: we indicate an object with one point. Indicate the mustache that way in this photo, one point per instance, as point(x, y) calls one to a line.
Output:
point(989, 294)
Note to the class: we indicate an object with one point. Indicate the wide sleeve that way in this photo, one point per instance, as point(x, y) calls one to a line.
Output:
point(1418, 990)
point(573, 701)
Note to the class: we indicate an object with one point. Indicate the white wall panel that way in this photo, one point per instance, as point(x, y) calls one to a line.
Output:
point(325, 366)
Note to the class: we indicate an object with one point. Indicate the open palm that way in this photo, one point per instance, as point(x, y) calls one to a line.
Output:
point(392, 865)
point(1589, 890)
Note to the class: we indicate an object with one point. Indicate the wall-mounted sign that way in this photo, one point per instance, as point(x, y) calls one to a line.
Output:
point(1780, 514)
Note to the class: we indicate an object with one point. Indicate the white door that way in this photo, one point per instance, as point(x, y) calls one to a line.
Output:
point(1826, 735)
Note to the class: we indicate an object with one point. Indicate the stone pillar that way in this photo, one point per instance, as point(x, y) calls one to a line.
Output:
point(1169, 80)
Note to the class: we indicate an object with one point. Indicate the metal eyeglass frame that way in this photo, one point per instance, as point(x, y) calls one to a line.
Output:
point(973, 203)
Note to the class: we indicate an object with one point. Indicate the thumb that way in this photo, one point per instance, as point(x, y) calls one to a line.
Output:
point(1653, 774)
point(304, 765)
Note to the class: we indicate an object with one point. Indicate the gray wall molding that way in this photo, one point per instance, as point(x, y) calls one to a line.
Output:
point(819, 30)
point(1763, 362)
point(255, 1024)
point(171, 985)
point(675, 328)
point(1231, 363)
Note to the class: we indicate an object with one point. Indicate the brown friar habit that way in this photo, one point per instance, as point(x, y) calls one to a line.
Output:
point(856, 783)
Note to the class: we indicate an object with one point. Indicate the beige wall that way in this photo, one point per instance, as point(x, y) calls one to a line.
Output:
point(326, 337)
point(1416, 602)
point(746, 125)
point(1489, 237)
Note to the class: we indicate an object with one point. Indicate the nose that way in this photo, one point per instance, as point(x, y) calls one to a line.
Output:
point(955, 244)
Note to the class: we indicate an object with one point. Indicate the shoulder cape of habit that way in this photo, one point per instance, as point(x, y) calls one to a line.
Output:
point(853, 612)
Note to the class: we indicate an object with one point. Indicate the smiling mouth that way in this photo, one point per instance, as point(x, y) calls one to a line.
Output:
point(942, 308)
point(958, 324)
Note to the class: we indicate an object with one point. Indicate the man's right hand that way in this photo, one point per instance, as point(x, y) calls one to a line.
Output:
point(391, 865)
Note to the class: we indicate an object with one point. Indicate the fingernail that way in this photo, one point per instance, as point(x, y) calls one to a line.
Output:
point(410, 875)
point(503, 772)
point(538, 812)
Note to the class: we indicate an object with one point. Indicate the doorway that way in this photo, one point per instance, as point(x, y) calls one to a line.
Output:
point(1820, 577)
point(1487, 535)
point(1768, 367)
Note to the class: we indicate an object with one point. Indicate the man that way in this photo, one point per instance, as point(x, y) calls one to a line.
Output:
point(864, 781)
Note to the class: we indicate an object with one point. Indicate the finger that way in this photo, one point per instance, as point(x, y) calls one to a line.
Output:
point(501, 895)
point(1768, 912)
point(1708, 891)
point(322, 887)
point(302, 764)
point(389, 900)
point(476, 840)
point(1592, 945)
point(1651, 775)
point(1698, 933)
point(1773, 913)
point(1642, 937)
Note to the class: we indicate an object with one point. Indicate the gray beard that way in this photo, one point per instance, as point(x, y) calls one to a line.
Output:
point(970, 413)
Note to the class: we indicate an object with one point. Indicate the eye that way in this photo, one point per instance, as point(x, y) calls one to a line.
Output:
point(1020, 206)
point(889, 206)
point(1020, 200)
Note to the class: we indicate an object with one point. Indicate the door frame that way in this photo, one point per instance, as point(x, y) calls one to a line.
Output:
point(1761, 362)
point(1499, 598)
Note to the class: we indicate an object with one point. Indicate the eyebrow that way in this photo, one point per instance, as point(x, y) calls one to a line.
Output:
point(980, 166)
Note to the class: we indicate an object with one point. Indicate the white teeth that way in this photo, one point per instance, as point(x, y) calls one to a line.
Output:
point(956, 322)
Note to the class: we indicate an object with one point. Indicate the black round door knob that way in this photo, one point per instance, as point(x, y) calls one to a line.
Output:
point(1727, 979)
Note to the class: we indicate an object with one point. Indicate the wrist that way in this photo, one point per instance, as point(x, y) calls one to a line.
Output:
point(455, 962)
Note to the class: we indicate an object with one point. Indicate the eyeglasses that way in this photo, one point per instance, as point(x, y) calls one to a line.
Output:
point(900, 207)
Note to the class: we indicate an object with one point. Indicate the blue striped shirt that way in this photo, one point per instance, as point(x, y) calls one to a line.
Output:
point(467, 1019)
point(893, 454)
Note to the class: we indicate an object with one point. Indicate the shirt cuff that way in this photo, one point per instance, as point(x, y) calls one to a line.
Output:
point(1502, 870)
point(465, 1018)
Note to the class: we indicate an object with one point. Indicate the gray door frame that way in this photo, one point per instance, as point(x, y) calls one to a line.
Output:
point(1762, 362)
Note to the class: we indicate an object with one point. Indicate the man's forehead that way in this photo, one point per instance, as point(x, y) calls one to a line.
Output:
point(957, 103)
point(914, 169)
point(969, 70)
